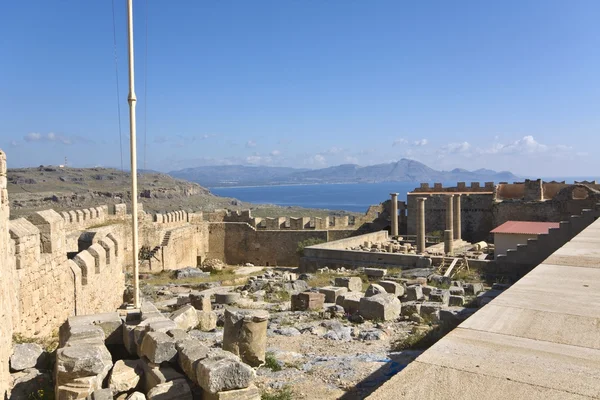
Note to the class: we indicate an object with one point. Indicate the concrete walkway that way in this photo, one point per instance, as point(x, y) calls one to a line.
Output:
point(540, 339)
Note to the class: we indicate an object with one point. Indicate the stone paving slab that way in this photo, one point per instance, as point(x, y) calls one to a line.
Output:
point(539, 325)
point(431, 382)
point(567, 368)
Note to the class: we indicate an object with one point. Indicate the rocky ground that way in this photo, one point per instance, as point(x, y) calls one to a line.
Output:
point(327, 353)
point(322, 341)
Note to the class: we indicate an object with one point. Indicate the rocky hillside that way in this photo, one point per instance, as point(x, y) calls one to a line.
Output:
point(70, 188)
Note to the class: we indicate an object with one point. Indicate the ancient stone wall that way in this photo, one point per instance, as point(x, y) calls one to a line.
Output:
point(51, 287)
point(239, 243)
point(8, 310)
point(187, 247)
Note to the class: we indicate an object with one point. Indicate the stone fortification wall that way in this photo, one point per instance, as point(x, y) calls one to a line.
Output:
point(239, 243)
point(51, 287)
point(8, 312)
point(186, 247)
point(460, 187)
point(292, 223)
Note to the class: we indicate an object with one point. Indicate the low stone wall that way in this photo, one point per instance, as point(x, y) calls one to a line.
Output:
point(335, 255)
point(239, 243)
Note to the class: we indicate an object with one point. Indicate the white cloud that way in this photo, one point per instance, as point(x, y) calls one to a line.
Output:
point(421, 142)
point(250, 143)
point(275, 153)
point(400, 141)
point(455, 148)
point(351, 160)
point(34, 137)
point(525, 145)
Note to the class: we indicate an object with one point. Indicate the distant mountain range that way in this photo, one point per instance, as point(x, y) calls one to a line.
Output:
point(401, 171)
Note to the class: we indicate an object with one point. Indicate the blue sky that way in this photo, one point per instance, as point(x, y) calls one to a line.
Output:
point(510, 85)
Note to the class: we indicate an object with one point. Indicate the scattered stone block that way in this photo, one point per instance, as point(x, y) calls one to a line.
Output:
point(189, 353)
point(160, 324)
point(136, 396)
point(350, 301)
point(83, 361)
point(353, 284)
point(374, 289)
point(125, 375)
point(473, 289)
point(453, 316)
point(308, 301)
point(207, 321)
point(245, 334)
point(110, 323)
point(178, 335)
point(249, 393)
point(156, 374)
point(456, 291)
point(439, 296)
point(30, 381)
point(413, 293)
point(456, 301)
point(456, 284)
point(485, 297)
point(227, 298)
point(380, 307)
point(101, 394)
point(26, 355)
point(223, 371)
point(173, 390)
point(392, 287)
point(190, 272)
point(200, 302)
point(375, 272)
point(332, 292)
point(158, 347)
point(185, 318)
point(149, 310)
point(410, 307)
point(427, 290)
point(80, 334)
point(430, 311)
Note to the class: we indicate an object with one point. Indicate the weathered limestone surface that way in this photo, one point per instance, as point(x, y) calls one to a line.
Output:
point(353, 283)
point(308, 301)
point(26, 355)
point(249, 393)
point(245, 334)
point(186, 318)
point(125, 375)
point(207, 320)
point(392, 287)
point(374, 289)
point(190, 352)
point(380, 307)
point(331, 293)
point(174, 390)
point(223, 371)
point(158, 347)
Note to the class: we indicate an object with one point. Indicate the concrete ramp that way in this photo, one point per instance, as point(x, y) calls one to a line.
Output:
point(540, 339)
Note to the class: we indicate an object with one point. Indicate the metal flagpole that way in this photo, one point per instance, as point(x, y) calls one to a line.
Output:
point(132, 142)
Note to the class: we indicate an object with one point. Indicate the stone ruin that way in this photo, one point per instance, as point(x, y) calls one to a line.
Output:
point(142, 354)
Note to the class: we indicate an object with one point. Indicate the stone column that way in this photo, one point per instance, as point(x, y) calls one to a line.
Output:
point(245, 334)
point(421, 224)
point(448, 242)
point(457, 227)
point(449, 212)
point(394, 214)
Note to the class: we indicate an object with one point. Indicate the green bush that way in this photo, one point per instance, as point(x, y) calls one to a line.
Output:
point(307, 243)
point(272, 363)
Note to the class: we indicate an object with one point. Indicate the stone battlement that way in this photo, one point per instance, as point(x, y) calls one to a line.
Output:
point(460, 187)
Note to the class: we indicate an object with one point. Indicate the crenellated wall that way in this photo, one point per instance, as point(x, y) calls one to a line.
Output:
point(51, 287)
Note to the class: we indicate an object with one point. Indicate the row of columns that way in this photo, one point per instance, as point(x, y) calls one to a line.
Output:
point(453, 225)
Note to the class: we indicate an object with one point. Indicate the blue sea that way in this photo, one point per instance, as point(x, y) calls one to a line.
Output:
point(355, 197)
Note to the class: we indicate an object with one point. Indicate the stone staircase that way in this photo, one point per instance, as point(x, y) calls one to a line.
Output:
point(156, 249)
point(538, 249)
